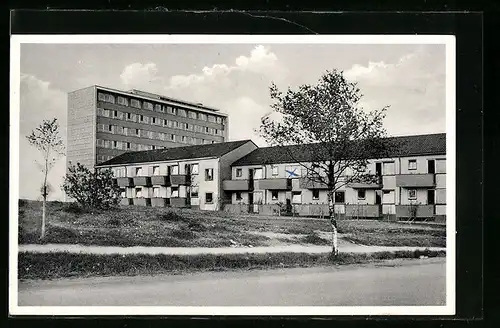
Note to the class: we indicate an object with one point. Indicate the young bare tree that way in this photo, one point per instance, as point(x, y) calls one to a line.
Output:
point(47, 140)
point(343, 135)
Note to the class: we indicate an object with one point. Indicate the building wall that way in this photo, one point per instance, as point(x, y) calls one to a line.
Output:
point(391, 195)
point(81, 127)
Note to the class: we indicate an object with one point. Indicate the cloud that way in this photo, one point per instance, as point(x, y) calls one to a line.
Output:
point(261, 61)
point(38, 102)
point(413, 87)
point(141, 76)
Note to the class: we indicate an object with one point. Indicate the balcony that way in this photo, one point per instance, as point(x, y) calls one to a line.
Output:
point(421, 211)
point(235, 185)
point(310, 183)
point(362, 210)
point(375, 184)
point(180, 179)
point(142, 201)
point(160, 180)
point(142, 181)
point(178, 202)
point(415, 180)
point(273, 184)
point(124, 182)
point(158, 202)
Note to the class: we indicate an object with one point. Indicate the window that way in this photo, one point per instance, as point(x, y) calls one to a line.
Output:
point(156, 192)
point(109, 128)
point(292, 171)
point(274, 194)
point(137, 132)
point(239, 172)
point(158, 108)
point(149, 134)
point(207, 129)
point(156, 170)
point(172, 137)
point(361, 194)
point(174, 169)
point(296, 197)
point(147, 105)
point(192, 115)
point(182, 112)
point(129, 116)
point(115, 144)
point(128, 145)
point(176, 124)
point(211, 118)
point(122, 193)
point(154, 120)
point(275, 170)
point(209, 198)
point(138, 171)
point(412, 164)
point(183, 139)
point(141, 118)
point(171, 110)
point(339, 197)
point(123, 101)
point(174, 192)
point(218, 119)
point(115, 114)
point(412, 194)
point(238, 195)
point(202, 116)
point(106, 97)
point(194, 191)
point(257, 173)
point(186, 126)
point(194, 168)
point(138, 192)
point(315, 193)
point(209, 174)
point(135, 103)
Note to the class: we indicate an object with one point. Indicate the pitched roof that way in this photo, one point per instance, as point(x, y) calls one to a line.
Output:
point(167, 154)
point(427, 144)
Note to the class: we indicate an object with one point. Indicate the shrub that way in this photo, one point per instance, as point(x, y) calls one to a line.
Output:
point(171, 217)
point(22, 203)
point(92, 189)
point(313, 238)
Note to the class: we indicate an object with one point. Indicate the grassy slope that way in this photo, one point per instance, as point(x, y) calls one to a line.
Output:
point(131, 226)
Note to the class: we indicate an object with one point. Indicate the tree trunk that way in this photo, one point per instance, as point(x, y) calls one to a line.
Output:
point(333, 221)
point(42, 234)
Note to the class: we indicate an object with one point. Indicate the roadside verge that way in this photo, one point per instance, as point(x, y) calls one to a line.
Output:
point(52, 265)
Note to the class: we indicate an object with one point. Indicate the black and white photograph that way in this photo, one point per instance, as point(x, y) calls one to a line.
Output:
point(232, 175)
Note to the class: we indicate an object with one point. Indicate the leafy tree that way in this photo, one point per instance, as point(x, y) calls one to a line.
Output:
point(343, 135)
point(47, 140)
point(91, 189)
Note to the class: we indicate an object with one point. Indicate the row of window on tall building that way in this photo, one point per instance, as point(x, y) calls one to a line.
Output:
point(160, 108)
point(158, 121)
point(132, 146)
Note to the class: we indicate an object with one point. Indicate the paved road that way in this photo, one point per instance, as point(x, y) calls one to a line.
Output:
point(345, 247)
point(396, 282)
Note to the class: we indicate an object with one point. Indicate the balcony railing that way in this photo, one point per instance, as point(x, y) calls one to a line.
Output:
point(178, 202)
point(373, 183)
point(180, 179)
point(236, 185)
point(417, 210)
point(160, 180)
point(124, 182)
point(311, 183)
point(415, 180)
point(142, 181)
point(362, 210)
point(273, 184)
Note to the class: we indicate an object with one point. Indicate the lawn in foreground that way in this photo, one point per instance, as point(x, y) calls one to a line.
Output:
point(146, 226)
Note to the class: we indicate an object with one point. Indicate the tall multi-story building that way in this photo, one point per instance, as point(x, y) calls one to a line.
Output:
point(104, 123)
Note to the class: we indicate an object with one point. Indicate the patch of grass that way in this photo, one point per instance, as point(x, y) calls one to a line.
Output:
point(314, 238)
point(64, 264)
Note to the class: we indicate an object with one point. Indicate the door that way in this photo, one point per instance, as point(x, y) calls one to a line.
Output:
point(250, 202)
point(250, 181)
point(431, 197)
point(378, 169)
point(378, 197)
point(431, 166)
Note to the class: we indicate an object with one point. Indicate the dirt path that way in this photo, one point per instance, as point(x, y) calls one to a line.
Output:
point(344, 246)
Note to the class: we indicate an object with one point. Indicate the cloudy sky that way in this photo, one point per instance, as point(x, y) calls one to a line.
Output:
point(232, 77)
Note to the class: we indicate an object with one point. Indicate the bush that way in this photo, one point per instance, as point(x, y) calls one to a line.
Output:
point(314, 239)
point(92, 189)
point(22, 203)
point(75, 208)
point(171, 217)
